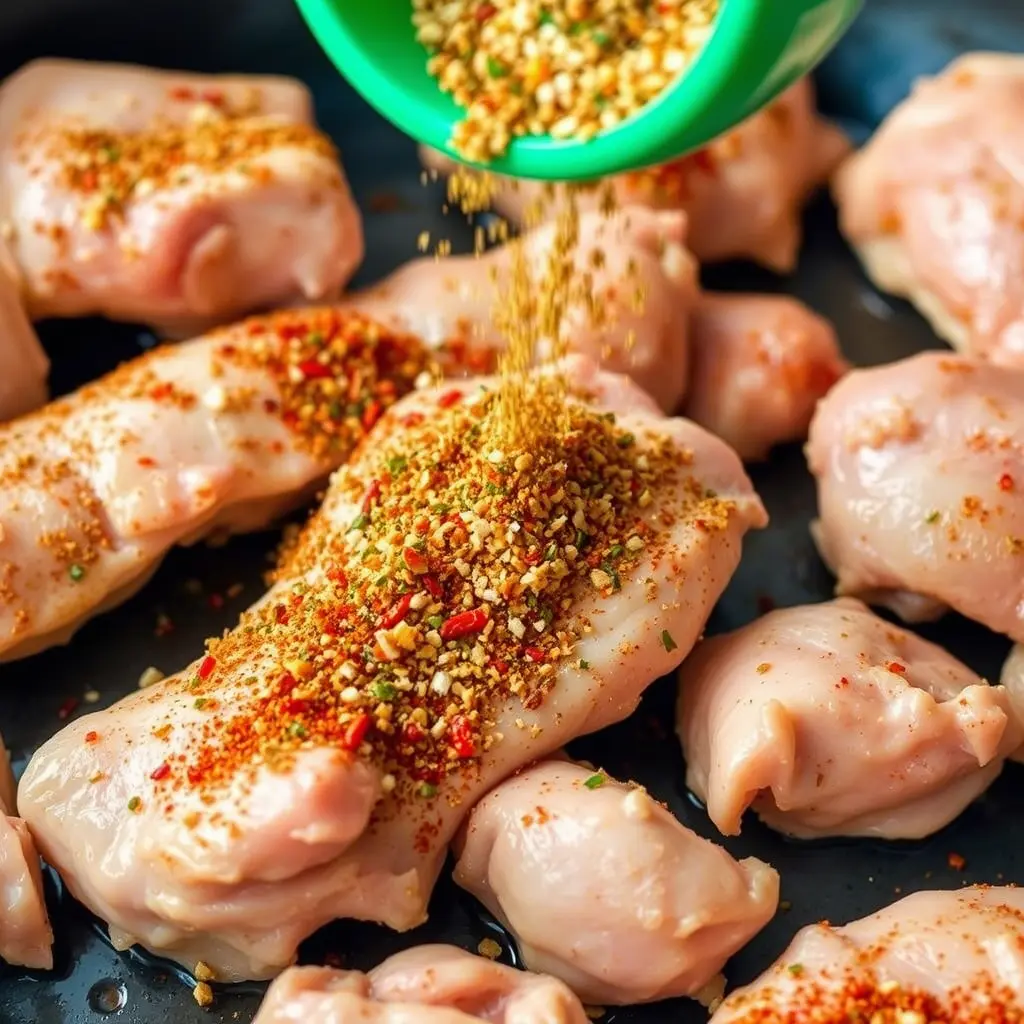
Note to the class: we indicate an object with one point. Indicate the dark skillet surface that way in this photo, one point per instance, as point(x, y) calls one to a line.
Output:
point(839, 880)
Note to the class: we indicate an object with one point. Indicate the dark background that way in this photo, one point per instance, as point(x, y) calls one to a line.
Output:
point(872, 69)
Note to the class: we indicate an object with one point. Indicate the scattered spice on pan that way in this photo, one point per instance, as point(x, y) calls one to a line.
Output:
point(956, 861)
point(67, 708)
point(489, 948)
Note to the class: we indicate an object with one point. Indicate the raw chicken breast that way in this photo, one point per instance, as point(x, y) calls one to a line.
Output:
point(828, 721)
point(1012, 678)
point(169, 197)
point(956, 956)
point(25, 935)
point(425, 985)
point(182, 441)
point(934, 204)
point(760, 364)
point(603, 888)
point(921, 488)
point(743, 193)
point(189, 842)
point(23, 363)
point(449, 303)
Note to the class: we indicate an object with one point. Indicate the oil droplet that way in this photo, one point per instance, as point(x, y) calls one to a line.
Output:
point(107, 996)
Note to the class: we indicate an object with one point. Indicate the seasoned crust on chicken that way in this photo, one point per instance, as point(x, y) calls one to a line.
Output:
point(168, 197)
point(237, 863)
point(827, 720)
point(424, 985)
point(603, 888)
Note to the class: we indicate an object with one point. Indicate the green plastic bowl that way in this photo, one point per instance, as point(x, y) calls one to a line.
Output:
point(756, 49)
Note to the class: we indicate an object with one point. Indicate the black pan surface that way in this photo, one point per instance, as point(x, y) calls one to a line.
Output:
point(196, 589)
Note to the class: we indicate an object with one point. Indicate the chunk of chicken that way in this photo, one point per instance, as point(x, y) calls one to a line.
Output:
point(234, 863)
point(760, 364)
point(425, 985)
point(934, 204)
point(169, 197)
point(827, 720)
point(603, 888)
point(921, 488)
point(23, 363)
point(930, 956)
point(1012, 678)
point(25, 935)
point(452, 300)
point(742, 193)
point(182, 441)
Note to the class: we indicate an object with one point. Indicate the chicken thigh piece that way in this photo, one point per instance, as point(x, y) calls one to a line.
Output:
point(920, 472)
point(453, 612)
point(168, 197)
point(934, 204)
point(425, 985)
point(829, 721)
point(26, 938)
point(953, 956)
point(637, 285)
point(1012, 679)
point(221, 433)
point(24, 366)
point(743, 193)
point(760, 365)
point(603, 888)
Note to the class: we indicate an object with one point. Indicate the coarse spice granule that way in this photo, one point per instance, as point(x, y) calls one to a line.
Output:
point(568, 68)
point(442, 579)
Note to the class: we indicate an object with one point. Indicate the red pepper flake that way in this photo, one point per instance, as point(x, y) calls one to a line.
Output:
point(161, 772)
point(270, 406)
point(92, 736)
point(355, 732)
point(415, 561)
point(207, 666)
point(485, 11)
point(449, 398)
point(146, 462)
point(1006, 482)
point(160, 391)
point(371, 413)
point(413, 419)
point(895, 666)
point(462, 737)
point(164, 625)
point(394, 615)
point(534, 653)
point(181, 92)
point(412, 733)
point(216, 601)
point(433, 585)
point(464, 624)
point(372, 494)
point(65, 710)
point(281, 615)
point(313, 369)
point(956, 862)
point(500, 665)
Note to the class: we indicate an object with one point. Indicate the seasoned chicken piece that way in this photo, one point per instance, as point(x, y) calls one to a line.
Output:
point(169, 197)
point(425, 985)
point(743, 193)
point(454, 611)
point(25, 935)
point(449, 303)
point(23, 363)
point(921, 488)
point(603, 888)
point(1012, 678)
point(955, 956)
point(827, 720)
point(208, 435)
point(760, 364)
point(934, 204)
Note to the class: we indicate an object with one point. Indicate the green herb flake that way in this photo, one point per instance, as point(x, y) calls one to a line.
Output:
point(76, 572)
point(496, 69)
point(595, 781)
point(667, 642)
point(582, 537)
point(625, 440)
point(384, 691)
point(932, 517)
point(297, 730)
point(435, 621)
point(795, 969)
point(428, 790)
point(397, 464)
point(134, 804)
point(616, 551)
point(584, 665)
point(361, 522)
point(200, 703)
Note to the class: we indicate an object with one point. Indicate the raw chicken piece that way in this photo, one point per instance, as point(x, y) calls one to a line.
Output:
point(23, 363)
point(169, 197)
point(956, 956)
point(240, 880)
point(451, 300)
point(25, 935)
point(760, 364)
point(934, 204)
point(742, 193)
point(1012, 678)
point(827, 720)
point(173, 445)
point(921, 488)
point(425, 985)
point(603, 888)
